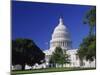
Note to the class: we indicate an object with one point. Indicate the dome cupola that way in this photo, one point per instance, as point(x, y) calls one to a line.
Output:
point(60, 36)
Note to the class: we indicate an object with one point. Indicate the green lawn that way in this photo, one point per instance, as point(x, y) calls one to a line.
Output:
point(49, 70)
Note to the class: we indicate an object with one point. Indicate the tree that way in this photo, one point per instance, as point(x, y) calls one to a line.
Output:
point(59, 57)
point(90, 19)
point(25, 51)
point(87, 49)
point(91, 53)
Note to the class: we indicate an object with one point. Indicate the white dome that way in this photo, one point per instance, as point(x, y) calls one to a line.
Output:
point(60, 32)
point(60, 36)
point(60, 28)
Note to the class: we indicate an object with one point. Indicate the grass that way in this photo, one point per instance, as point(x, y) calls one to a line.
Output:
point(48, 70)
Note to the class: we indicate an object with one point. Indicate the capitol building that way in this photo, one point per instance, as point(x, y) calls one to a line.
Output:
point(61, 38)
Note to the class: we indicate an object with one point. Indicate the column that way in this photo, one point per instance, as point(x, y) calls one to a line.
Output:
point(63, 43)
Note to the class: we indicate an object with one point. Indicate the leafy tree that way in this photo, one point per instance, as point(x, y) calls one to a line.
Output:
point(59, 56)
point(91, 53)
point(87, 49)
point(25, 51)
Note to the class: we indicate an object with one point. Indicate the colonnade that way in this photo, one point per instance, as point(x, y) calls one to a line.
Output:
point(60, 43)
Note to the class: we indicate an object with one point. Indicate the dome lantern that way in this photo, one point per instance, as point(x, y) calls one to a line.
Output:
point(60, 21)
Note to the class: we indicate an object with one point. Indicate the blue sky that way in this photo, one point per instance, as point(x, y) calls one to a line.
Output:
point(37, 21)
